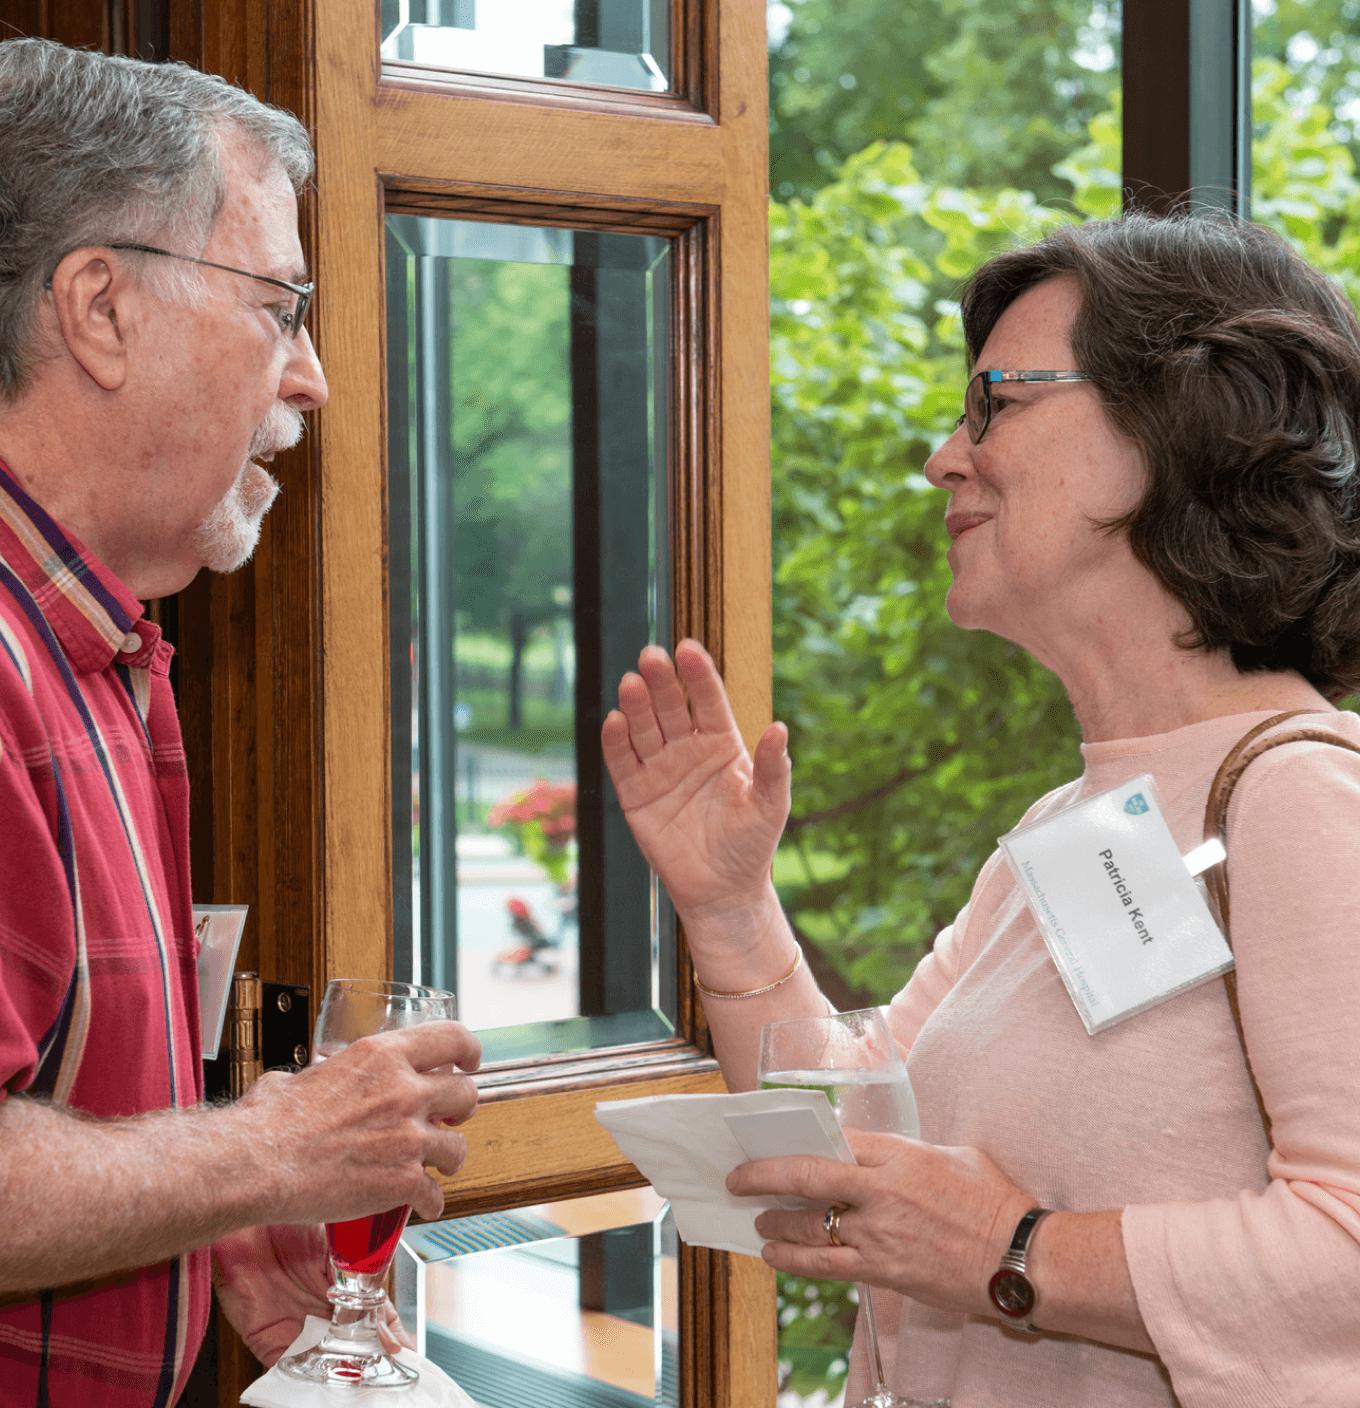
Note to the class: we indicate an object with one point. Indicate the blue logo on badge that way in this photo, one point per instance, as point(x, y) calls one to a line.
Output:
point(1136, 805)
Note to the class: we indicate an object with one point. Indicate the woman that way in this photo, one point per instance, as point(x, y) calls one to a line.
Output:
point(1176, 537)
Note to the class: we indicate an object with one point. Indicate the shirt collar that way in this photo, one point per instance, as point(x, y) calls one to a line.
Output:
point(93, 615)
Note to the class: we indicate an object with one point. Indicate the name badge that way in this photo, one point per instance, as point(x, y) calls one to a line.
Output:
point(1117, 904)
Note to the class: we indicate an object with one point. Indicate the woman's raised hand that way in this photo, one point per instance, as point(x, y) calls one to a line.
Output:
point(706, 815)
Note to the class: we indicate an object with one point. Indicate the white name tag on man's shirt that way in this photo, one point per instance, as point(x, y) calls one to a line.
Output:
point(1117, 904)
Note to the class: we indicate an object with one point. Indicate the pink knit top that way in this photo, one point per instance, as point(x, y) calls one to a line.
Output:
point(1246, 1268)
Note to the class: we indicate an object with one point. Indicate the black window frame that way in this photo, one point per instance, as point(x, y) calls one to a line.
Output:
point(1186, 72)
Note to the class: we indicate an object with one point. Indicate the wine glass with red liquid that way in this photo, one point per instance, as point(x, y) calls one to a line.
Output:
point(361, 1248)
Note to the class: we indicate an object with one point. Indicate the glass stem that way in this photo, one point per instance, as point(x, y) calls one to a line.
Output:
point(354, 1319)
point(866, 1298)
point(359, 1326)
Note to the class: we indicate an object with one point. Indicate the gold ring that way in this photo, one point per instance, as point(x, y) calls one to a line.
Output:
point(832, 1223)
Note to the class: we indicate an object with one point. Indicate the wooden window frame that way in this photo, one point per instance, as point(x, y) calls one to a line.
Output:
point(549, 153)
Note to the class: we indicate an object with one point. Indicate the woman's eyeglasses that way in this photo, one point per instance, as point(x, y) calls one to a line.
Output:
point(977, 400)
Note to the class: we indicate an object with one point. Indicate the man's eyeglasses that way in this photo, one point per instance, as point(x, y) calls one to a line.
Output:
point(289, 320)
point(977, 400)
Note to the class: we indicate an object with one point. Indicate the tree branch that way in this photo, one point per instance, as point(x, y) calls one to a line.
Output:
point(884, 789)
point(854, 804)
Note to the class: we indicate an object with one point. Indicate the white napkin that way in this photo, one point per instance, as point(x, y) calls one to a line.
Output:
point(434, 1390)
point(686, 1145)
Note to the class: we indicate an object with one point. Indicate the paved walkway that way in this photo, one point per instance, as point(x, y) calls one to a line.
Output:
point(490, 874)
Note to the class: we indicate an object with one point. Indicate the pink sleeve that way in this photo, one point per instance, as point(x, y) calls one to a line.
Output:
point(1252, 1300)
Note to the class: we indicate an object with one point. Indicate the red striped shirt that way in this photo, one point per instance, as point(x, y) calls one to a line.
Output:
point(98, 980)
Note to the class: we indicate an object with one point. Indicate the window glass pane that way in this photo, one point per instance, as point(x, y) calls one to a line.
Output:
point(528, 430)
point(573, 1304)
point(616, 43)
point(1306, 129)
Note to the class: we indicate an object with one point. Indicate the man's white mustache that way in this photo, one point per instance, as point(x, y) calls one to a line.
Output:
point(281, 429)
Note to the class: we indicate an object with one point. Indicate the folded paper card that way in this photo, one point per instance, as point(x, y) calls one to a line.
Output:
point(217, 929)
point(686, 1145)
point(434, 1388)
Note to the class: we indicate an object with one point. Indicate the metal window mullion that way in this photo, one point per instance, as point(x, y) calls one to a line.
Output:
point(402, 399)
point(1220, 104)
point(438, 753)
point(1242, 127)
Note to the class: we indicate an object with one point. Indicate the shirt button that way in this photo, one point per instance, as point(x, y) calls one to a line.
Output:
point(132, 643)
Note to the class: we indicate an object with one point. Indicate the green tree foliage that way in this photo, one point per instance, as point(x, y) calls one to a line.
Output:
point(511, 389)
point(1317, 44)
point(816, 1323)
point(914, 744)
point(986, 96)
point(1304, 175)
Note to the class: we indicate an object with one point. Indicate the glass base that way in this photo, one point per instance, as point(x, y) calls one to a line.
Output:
point(348, 1368)
point(350, 1354)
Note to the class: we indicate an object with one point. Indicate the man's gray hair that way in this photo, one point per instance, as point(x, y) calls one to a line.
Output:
point(99, 149)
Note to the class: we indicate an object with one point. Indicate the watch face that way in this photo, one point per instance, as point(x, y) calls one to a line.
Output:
point(1011, 1293)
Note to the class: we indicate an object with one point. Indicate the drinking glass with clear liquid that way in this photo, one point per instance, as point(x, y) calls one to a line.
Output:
point(361, 1248)
point(852, 1058)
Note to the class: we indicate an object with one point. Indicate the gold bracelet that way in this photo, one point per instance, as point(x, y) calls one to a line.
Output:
point(754, 992)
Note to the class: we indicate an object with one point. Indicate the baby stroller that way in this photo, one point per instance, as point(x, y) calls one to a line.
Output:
point(531, 955)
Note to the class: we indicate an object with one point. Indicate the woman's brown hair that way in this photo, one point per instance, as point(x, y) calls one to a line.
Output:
point(1234, 366)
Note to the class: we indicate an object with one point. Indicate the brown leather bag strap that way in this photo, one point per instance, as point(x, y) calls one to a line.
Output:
point(1243, 753)
point(1216, 812)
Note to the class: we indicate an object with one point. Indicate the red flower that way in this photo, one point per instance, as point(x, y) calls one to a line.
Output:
point(552, 805)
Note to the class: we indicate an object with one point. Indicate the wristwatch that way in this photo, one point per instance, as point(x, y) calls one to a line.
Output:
point(1012, 1292)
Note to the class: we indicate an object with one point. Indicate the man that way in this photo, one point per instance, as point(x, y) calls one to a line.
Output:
point(138, 391)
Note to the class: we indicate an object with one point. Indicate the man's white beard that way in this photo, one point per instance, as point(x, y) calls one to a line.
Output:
point(228, 535)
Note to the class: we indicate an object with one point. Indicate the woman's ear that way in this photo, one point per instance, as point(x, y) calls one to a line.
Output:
point(87, 290)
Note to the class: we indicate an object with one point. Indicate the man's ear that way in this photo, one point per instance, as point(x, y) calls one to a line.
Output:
point(87, 290)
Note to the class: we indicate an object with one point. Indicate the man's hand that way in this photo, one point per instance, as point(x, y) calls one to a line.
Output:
point(352, 1134)
point(341, 1139)
point(270, 1279)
